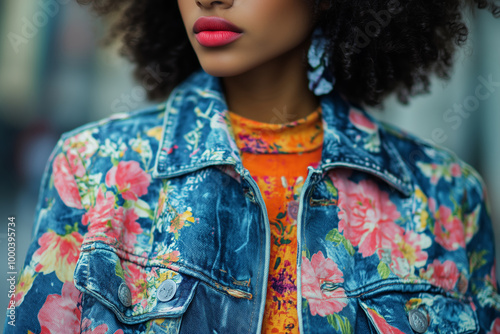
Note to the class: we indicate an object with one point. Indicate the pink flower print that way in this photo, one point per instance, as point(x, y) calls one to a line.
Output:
point(60, 313)
point(455, 170)
point(102, 211)
point(106, 221)
point(79, 149)
point(360, 121)
point(131, 228)
point(495, 327)
point(135, 277)
point(65, 183)
point(168, 258)
point(432, 205)
point(130, 180)
point(58, 254)
point(103, 217)
point(87, 327)
point(317, 273)
point(444, 274)
point(449, 229)
point(401, 267)
point(367, 216)
point(381, 323)
point(83, 144)
point(409, 251)
point(76, 164)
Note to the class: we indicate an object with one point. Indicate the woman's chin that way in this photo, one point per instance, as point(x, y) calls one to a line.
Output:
point(225, 66)
point(222, 71)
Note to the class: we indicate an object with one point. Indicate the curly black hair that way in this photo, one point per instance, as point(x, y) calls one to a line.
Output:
point(377, 47)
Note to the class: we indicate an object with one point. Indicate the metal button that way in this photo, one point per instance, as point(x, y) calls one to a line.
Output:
point(124, 295)
point(166, 291)
point(418, 321)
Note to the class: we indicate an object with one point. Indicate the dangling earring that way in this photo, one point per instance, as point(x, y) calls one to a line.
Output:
point(321, 80)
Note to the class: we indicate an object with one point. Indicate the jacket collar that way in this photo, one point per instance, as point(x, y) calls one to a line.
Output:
point(197, 133)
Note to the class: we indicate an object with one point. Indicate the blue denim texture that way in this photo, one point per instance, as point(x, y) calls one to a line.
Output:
point(221, 258)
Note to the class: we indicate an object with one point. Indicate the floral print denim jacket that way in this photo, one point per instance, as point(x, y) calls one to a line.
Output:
point(149, 223)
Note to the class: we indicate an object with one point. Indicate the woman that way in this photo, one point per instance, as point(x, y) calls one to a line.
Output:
point(261, 197)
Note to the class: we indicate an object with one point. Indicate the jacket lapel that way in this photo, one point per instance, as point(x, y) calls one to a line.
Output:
point(197, 133)
point(354, 139)
point(196, 129)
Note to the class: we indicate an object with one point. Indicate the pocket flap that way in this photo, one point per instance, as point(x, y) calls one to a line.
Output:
point(424, 312)
point(134, 291)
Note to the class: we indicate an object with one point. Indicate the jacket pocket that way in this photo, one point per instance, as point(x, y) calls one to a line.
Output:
point(135, 291)
point(412, 311)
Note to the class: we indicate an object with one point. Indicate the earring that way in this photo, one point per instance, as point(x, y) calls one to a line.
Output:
point(321, 80)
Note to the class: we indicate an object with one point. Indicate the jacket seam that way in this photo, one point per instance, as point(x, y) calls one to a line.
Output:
point(303, 227)
point(256, 290)
point(209, 280)
point(437, 290)
point(114, 118)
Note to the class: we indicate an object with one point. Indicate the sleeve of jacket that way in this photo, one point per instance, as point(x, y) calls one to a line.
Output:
point(480, 243)
point(45, 298)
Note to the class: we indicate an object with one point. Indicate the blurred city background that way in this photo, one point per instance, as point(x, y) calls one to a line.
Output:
point(54, 76)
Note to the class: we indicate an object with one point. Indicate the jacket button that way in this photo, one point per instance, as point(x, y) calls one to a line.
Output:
point(124, 295)
point(166, 291)
point(418, 321)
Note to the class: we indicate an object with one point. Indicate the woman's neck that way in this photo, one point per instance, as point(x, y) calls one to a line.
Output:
point(275, 92)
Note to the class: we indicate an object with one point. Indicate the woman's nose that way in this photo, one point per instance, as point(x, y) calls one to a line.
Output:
point(214, 3)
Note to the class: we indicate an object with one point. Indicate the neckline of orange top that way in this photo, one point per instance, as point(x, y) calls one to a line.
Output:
point(302, 135)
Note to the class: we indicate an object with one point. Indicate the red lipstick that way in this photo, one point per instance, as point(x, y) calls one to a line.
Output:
point(213, 31)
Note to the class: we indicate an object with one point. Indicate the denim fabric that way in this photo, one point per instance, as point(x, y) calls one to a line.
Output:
point(388, 226)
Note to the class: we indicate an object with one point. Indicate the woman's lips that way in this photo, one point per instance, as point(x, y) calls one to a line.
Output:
point(213, 31)
point(216, 38)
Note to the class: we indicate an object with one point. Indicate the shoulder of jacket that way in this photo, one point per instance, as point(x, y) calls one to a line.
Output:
point(421, 154)
point(406, 140)
point(149, 114)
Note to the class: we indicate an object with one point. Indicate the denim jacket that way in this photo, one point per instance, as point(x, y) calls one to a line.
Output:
point(149, 223)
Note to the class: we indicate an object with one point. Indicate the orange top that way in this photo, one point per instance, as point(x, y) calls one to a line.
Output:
point(277, 156)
